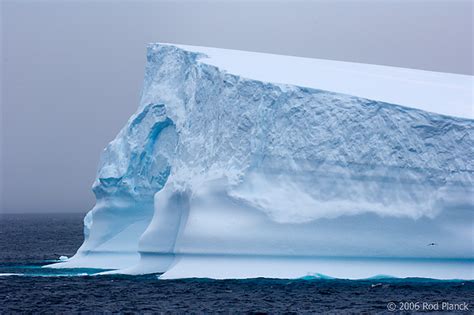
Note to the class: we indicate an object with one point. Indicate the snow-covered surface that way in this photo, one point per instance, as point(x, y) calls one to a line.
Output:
point(443, 93)
point(217, 168)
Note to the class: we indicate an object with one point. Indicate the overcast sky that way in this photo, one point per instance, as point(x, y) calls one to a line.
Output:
point(72, 70)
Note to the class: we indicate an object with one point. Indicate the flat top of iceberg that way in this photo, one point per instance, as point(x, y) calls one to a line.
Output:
point(438, 92)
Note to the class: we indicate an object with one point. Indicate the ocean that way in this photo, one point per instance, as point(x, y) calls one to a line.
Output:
point(29, 241)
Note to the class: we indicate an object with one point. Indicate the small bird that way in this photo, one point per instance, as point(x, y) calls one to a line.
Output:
point(432, 244)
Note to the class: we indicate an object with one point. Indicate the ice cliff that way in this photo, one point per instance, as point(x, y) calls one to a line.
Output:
point(221, 174)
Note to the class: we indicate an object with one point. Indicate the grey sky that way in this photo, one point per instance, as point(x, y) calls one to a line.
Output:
point(72, 70)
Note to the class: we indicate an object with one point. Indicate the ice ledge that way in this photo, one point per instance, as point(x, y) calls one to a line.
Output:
point(438, 92)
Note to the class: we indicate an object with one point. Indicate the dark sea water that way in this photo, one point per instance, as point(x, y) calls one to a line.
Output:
point(29, 241)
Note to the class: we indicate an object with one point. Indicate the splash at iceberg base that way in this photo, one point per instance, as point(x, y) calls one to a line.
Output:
point(220, 174)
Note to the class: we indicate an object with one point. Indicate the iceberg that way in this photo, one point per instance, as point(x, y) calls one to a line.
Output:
point(240, 165)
